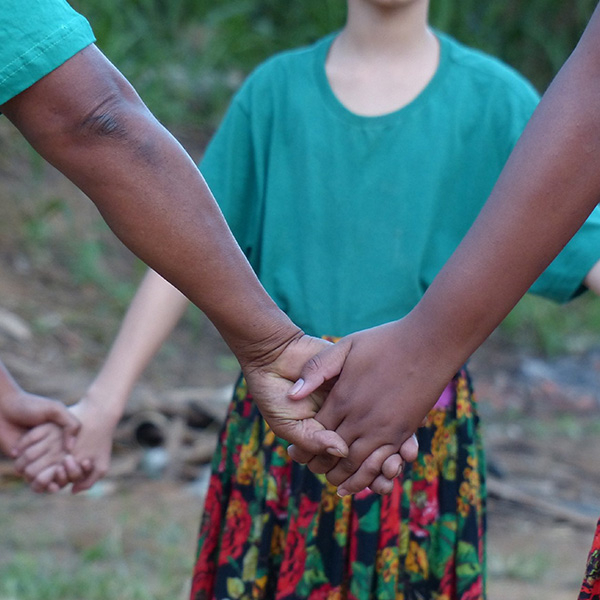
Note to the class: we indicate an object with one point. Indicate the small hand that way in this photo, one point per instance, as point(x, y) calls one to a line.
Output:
point(380, 396)
point(42, 460)
point(95, 440)
point(293, 420)
point(89, 460)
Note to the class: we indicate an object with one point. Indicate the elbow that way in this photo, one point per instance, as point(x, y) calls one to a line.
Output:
point(111, 115)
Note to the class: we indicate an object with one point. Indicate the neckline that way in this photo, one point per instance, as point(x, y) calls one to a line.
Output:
point(340, 110)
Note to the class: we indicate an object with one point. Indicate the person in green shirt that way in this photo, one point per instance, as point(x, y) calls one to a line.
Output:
point(348, 171)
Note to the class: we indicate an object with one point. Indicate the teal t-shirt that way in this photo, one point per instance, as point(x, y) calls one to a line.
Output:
point(36, 37)
point(347, 219)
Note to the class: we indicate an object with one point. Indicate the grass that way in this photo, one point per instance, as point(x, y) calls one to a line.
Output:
point(67, 548)
point(546, 328)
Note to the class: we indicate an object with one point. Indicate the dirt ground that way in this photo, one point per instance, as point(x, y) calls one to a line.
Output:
point(540, 417)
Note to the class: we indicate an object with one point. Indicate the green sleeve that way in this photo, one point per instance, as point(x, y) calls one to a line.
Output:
point(563, 279)
point(230, 169)
point(36, 37)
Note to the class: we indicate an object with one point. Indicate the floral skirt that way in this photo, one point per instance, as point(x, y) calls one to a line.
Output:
point(273, 530)
point(590, 589)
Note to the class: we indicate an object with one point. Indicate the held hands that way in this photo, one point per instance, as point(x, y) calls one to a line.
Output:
point(19, 411)
point(345, 434)
point(379, 398)
point(48, 468)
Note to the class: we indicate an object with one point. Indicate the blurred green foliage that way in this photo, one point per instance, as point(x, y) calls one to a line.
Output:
point(186, 57)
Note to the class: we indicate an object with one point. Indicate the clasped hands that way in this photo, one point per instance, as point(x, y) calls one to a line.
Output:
point(349, 410)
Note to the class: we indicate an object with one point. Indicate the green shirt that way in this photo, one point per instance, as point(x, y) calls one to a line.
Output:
point(347, 219)
point(36, 37)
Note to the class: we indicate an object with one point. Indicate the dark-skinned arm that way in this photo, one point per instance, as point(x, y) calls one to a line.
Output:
point(88, 121)
point(392, 375)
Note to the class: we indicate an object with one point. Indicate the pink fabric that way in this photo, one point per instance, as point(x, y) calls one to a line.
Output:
point(446, 398)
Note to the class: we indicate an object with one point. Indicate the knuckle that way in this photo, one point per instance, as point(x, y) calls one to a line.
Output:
point(348, 466)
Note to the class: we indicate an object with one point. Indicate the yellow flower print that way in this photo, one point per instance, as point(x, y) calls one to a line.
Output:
point(235, 587)
point(277, 541)
point(439, 416)
point(462, 507)
point(269, 438)
point(388, 563)
point(416, 560)
point(259, 587)
point(329, 500)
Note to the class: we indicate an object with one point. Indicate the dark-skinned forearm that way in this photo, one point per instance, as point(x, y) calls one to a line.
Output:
point(87, 120)
point(549, 186)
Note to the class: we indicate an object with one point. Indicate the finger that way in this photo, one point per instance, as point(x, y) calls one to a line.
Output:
point(53, 487)
point(410, 449)
point(392, 467)
point(55, 412)
point(298, 455)
point(87, 466)
point(30, 455)
point(72, 468)
point(42, 482)
point(322, 464)
point(319, 369)
point(382, 485)
point(354, 474)
point(33, 436)
point(60, 476)
point(36, 459)
point(86, 483)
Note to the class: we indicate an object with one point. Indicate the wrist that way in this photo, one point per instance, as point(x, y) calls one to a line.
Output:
point(9, 388)
point(432, 347)
point(263, 341)
point(107, 405)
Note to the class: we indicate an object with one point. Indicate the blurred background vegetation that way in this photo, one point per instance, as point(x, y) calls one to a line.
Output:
point(187, 57)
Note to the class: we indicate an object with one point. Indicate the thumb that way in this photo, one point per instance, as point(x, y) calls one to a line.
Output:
point(322, 367)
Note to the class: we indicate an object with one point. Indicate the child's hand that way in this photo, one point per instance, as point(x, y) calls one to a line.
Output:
point(389, 382)
point(89, 460)
point(42, 460)
point(94, 441)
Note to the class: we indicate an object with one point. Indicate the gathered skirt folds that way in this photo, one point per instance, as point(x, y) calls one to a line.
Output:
point(273, 530)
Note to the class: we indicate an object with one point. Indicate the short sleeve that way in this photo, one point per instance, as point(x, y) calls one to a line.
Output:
point(36, 37)
point(563, 279)
point(231, 172)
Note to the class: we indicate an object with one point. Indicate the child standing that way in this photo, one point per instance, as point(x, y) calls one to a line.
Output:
point(348, 171)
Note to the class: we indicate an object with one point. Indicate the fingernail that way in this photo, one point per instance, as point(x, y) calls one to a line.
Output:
point(296, 387)
point(400, 469)
point(335, 452)
point(341, 492)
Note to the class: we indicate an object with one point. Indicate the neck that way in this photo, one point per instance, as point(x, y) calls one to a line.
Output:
point(374, 32)
point(383, 58)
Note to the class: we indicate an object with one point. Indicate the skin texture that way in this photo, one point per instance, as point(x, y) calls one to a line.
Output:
point(87, 120)
point(548, 187)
